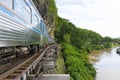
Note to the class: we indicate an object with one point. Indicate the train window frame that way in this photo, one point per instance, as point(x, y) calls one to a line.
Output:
point(9, 7)
point(28, 11)
point(42, 26)
point(37, 17)
point(13, 4)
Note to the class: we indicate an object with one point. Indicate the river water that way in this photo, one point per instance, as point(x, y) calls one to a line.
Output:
point(107, 64)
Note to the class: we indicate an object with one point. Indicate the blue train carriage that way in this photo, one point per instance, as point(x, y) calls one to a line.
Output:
point(22, 29)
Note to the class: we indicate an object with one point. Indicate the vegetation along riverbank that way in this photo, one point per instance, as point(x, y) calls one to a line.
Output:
point(75, 42)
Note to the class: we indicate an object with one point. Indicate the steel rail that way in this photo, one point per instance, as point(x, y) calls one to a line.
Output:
point(24, 67)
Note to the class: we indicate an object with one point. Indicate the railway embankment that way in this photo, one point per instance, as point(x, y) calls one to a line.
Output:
point(55, 67)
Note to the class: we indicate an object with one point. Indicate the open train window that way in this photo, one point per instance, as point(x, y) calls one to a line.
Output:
point(7, 3)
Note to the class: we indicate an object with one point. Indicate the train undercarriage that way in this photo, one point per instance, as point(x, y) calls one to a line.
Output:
point(17, 54)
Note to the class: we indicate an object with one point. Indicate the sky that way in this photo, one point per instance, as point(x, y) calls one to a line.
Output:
point(101, 16)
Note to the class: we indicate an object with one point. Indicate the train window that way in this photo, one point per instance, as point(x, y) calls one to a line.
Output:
point(26, 9)
point(7, 3)
point(23, 10)
point(29, 10)
point(41, 26)
point(35, 19)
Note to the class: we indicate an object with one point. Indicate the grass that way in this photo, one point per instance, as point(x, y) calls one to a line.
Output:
point(60, 67)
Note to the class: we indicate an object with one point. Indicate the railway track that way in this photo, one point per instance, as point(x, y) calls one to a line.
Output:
point(20, 38)
point(24, 67)
point(13, 63)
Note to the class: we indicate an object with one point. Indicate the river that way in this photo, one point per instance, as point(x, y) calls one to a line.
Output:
point(107, 64)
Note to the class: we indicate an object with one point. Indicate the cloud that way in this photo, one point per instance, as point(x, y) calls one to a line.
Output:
point(102, 16)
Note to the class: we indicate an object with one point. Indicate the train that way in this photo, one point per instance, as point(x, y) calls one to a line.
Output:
point(22, 29)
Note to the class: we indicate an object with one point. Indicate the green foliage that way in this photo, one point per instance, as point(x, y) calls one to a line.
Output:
point(108, 45)
point(60, 66)
point(81, 38)
point(76, 43)
point(67, 38)
point(116, 41)
point(62, 29)
point(53, 12)
point(107, 42)
point(77, 64)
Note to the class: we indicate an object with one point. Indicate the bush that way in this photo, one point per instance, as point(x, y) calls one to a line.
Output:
point(77, 64)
